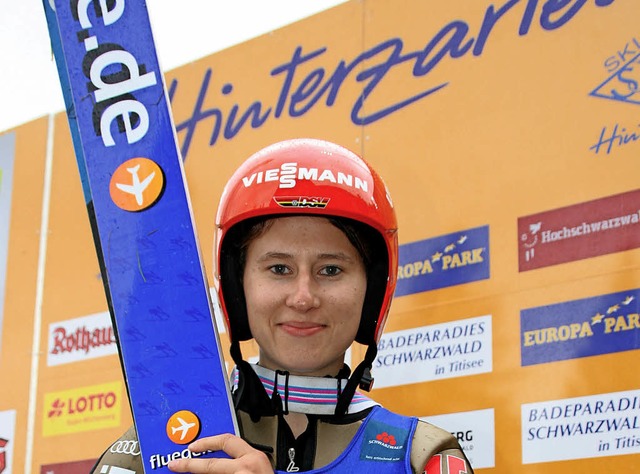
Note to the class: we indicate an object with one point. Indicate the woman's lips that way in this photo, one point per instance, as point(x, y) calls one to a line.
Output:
point(301, 329)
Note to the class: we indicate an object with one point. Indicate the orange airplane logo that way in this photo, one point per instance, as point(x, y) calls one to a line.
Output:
point(183, 427)
point(136, 184)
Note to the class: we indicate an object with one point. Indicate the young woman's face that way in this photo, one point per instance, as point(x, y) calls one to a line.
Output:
point(304, 285)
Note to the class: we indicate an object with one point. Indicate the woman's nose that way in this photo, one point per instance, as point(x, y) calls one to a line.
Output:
point(304, 294)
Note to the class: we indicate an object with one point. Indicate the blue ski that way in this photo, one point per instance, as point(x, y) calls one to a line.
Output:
point(138, 205)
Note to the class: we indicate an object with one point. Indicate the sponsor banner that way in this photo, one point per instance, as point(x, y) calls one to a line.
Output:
point(82, 409)
point(439, 351)
point(443, 261)
point(475, 431)
point(74, 467)
point(7, 440)
point(81, 338)
point(583, 427)
point(7, 152)
point(140, 212)
point(585, 230)
point(581, 328)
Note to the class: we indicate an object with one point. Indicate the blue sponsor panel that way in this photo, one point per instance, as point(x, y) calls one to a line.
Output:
point(440, 262)
point(581, 328)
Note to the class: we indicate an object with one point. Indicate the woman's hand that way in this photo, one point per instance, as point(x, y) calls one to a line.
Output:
point(245, 459)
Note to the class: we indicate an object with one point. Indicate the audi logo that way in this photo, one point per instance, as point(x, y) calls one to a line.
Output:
point(125, 447)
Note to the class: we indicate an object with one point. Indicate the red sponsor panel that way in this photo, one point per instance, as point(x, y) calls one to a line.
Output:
point(585, 230)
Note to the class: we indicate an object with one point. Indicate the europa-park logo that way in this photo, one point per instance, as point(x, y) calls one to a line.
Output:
point(581, 328)
point(82, 409)
point(443, 261)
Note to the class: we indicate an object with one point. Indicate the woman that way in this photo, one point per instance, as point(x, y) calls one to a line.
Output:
point(306, 264)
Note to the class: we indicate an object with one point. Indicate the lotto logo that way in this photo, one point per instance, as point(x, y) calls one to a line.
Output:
point(136, 184)
point(183, 427)
point(56, 408)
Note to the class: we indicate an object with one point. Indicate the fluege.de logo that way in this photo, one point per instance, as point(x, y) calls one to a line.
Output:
point(136, 184)
point(585, 230)
point(183, 427)
point(581, 328)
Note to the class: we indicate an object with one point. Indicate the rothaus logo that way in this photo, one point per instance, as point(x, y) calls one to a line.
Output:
point(83, 339)
point(289, 174)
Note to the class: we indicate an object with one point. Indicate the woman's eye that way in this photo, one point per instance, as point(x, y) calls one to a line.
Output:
point(279, 269)
point(331, 270)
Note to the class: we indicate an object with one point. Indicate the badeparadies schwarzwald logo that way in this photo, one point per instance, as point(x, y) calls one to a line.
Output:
point(580, 231)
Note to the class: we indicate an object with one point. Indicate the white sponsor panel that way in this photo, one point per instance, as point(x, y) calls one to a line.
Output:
point(7, 151)
point(7, 440)
point(81, 338)
point(584, 427)
point(440, 351)
point(475, 431)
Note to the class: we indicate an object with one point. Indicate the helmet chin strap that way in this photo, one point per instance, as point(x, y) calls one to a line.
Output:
point(361, 377)
point(236, 353)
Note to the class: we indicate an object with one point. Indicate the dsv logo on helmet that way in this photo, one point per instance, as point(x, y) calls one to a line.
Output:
point(129, 446)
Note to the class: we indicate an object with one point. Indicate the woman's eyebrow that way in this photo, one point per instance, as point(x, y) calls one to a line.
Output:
point(336, 256)
point(275, 256)
point(341, 256)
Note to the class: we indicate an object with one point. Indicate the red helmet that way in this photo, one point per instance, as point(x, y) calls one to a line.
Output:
point(307, 177)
